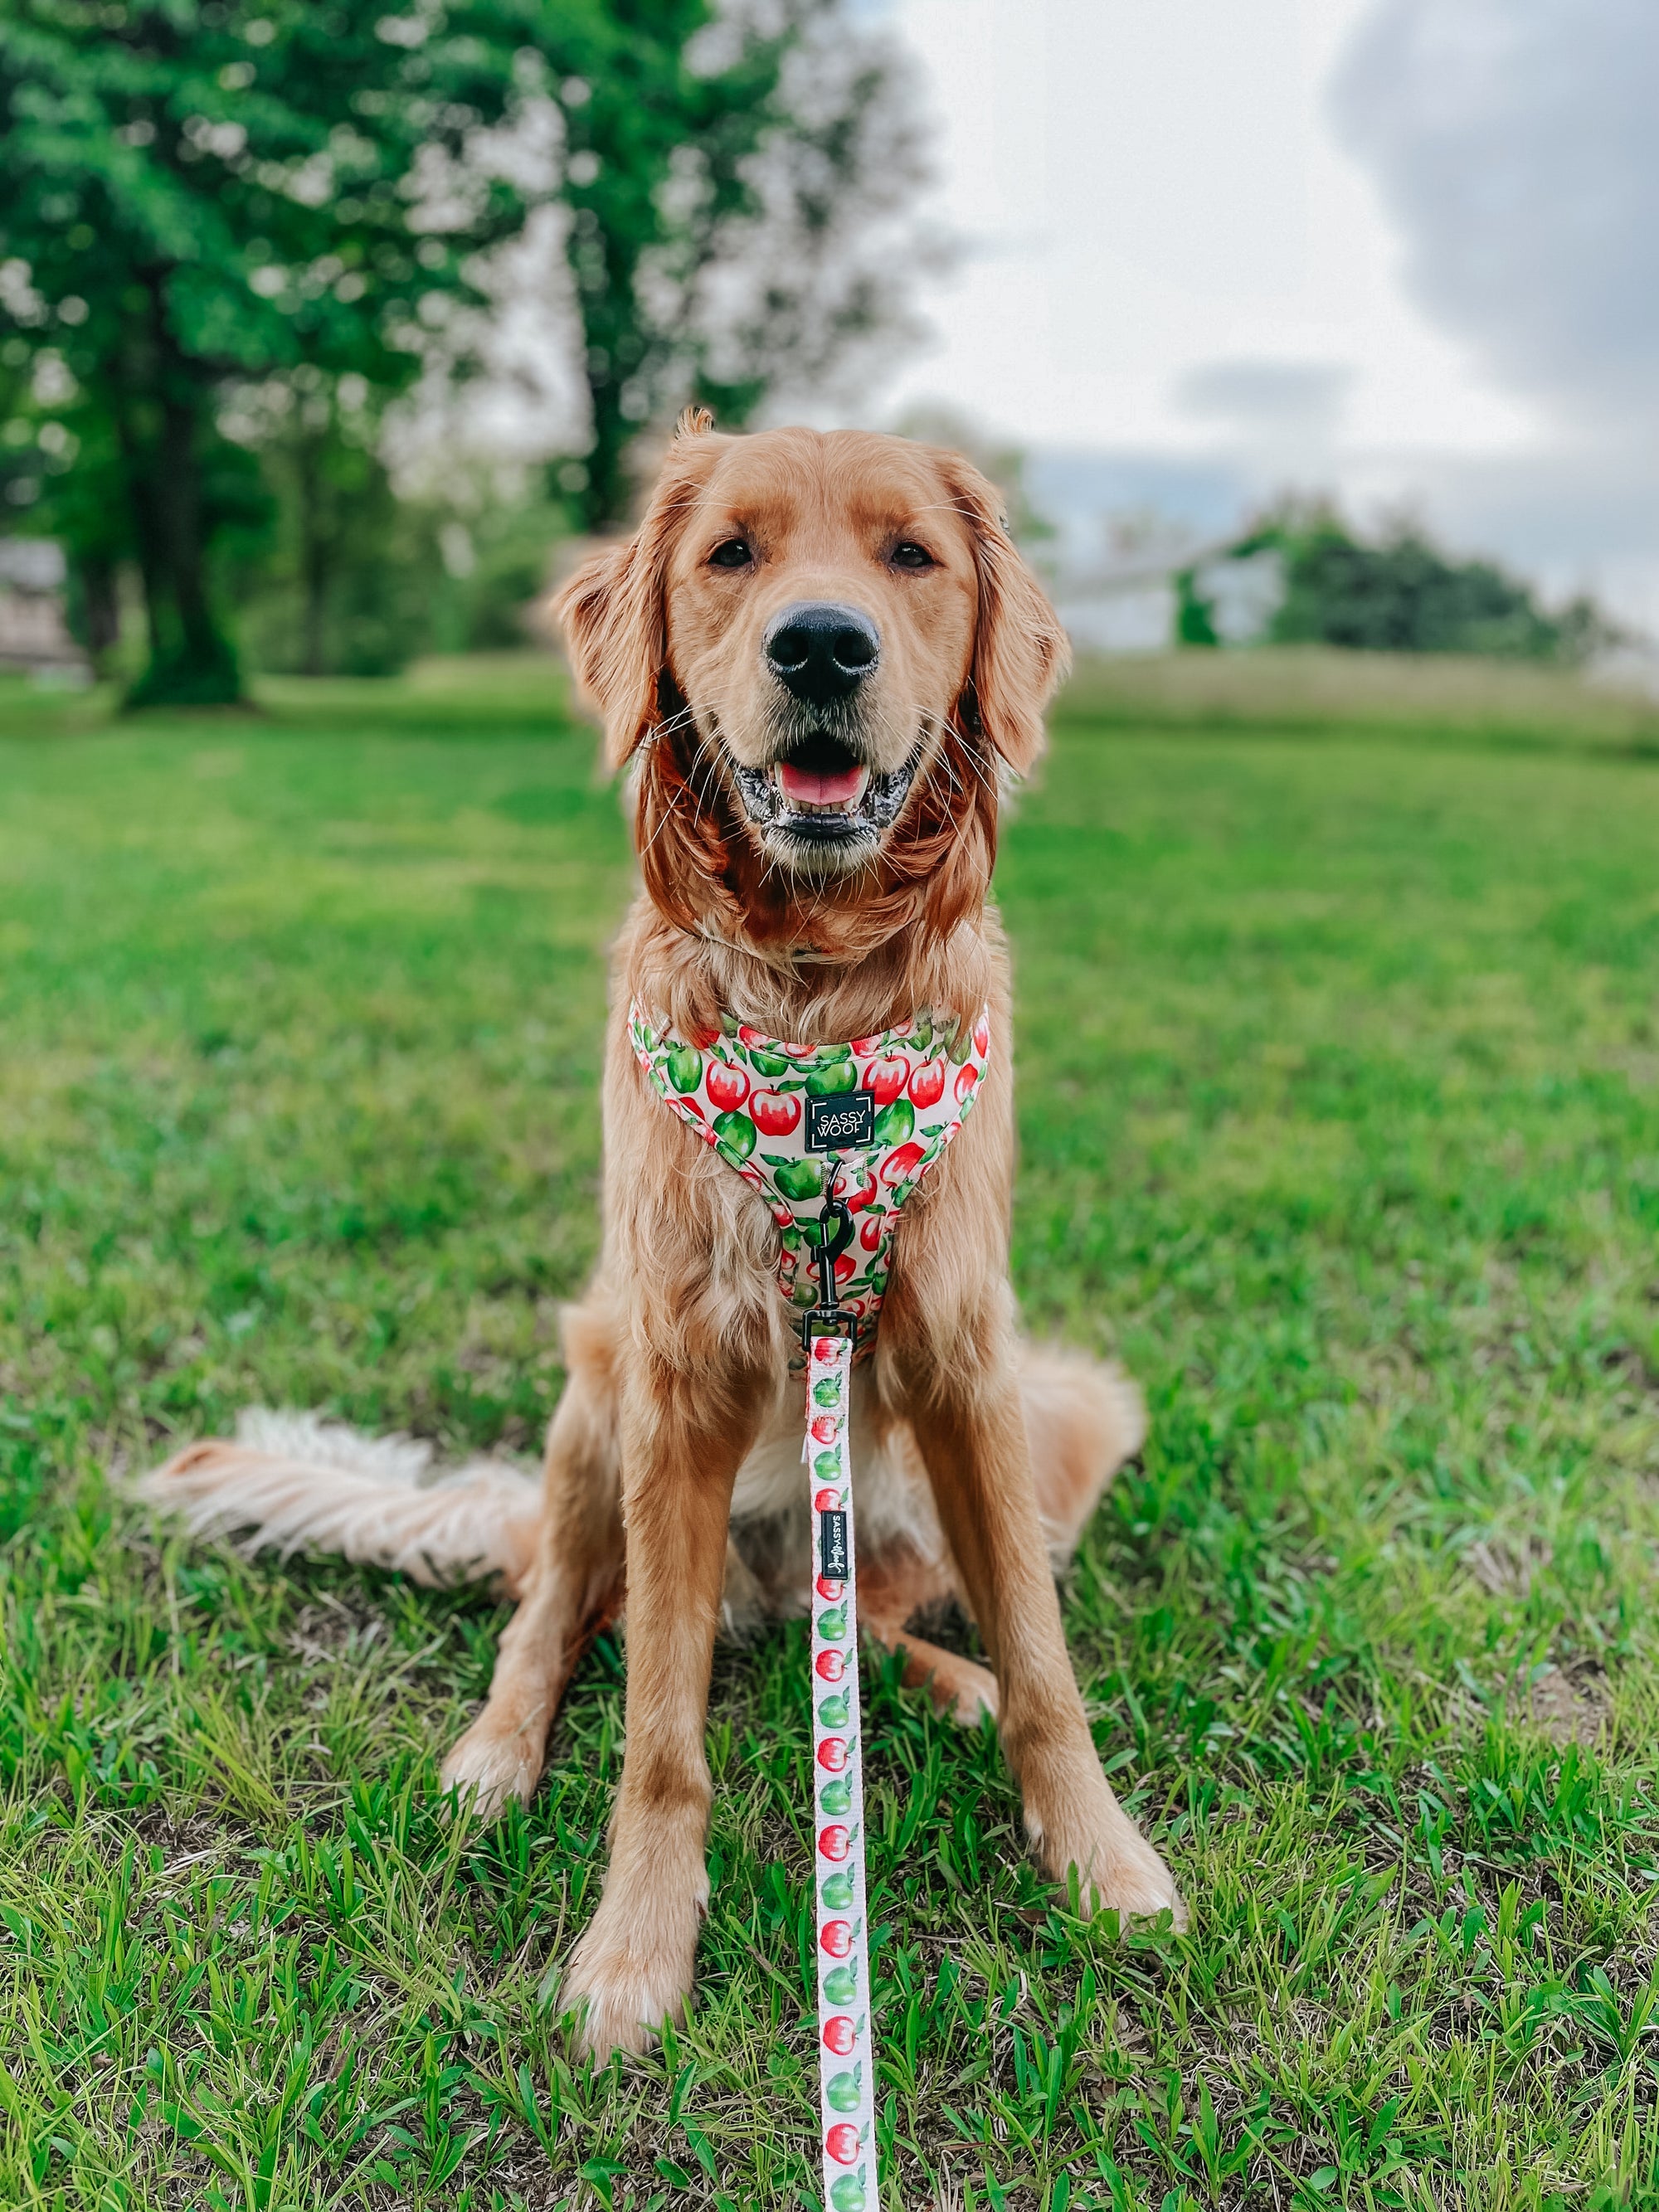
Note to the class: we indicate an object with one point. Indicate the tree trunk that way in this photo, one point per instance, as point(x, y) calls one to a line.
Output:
point(98, 606)
point(160, 408)
point(315, 564)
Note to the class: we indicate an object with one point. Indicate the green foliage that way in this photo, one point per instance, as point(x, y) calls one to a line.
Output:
point(1402, 594)
point(193, 194)
point(1336, 1055)
point(731, 174)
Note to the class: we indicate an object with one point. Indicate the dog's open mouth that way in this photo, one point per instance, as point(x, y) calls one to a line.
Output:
point(821, 792)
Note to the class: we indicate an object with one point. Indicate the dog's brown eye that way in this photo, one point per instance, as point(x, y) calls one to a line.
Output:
point(733, 554)
point(906, 554)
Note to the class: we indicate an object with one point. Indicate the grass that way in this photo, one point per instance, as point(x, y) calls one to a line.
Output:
point(1339, 1062)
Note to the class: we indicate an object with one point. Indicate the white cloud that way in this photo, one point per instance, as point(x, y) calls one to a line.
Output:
point(1515, 143)
point(1407, 249)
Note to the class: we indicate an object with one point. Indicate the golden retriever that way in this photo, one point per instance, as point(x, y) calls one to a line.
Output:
point(822, 656)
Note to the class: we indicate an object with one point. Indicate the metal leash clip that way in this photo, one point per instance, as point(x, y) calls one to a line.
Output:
point(830, 1317)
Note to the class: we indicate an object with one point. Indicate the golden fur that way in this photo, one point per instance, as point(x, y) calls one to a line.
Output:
point(672, 1469)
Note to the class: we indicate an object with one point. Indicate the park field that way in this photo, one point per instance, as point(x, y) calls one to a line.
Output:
point(1338, 1063)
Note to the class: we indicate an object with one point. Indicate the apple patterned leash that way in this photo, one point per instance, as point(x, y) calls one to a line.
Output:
point(846, 2059)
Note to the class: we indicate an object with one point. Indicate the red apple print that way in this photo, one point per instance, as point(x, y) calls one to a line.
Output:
point(842, 2142)
point(853, 1200)
point(837, 1939)
point(831, 1666)
point(870, 1232)
point(830, 1590)
point(901, 1163)
point(688, 1106)
point(982, 1036)
point(839, 2034)
point(783, 1216)
point(832, 1753)
point(832, 1844)
point(844, 1266)
point(824, 1429)
point(966, 1079)
point(752, 1037)
point(861, 1045)
point(826, 1501)
point(728, 1086)
point(704, 1038)
point(774, 1113)
point(752, 1176)
point(886, 1078)
point(927, 1085)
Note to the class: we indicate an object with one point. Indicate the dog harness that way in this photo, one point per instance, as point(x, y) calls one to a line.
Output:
point(836, 1137)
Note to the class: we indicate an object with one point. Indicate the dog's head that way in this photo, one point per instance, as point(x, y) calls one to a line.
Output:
point(829, 644)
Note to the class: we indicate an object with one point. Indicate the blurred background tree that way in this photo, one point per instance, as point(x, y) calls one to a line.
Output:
point(739, 183)
point(239, 239)
point(195, 195)
point(1398, 592)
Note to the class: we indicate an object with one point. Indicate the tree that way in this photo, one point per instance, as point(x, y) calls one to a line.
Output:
point(737, 180)
point(193, 194)
point(1399, 595)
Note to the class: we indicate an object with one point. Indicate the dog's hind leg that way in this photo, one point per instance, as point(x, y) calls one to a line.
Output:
point(573, 1583)
point(890, 1590)
point(1082, 1421)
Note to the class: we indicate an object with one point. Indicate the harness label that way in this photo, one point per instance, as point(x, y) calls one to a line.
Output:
point(836, 1124)
point(832, 1545)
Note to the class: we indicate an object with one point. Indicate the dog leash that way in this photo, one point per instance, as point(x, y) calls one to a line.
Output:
point(847, 2088)
point(826, 1133)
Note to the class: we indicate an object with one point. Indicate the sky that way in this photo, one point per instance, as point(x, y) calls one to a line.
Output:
point(1406, 250)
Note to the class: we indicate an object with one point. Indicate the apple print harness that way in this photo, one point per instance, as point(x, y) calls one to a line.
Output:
point(836, 1137)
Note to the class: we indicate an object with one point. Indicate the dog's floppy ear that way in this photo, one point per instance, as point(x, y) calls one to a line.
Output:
point(1021, 655)
point(613, 610)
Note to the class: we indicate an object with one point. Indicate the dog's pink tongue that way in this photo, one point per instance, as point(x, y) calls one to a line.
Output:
point(807, 788)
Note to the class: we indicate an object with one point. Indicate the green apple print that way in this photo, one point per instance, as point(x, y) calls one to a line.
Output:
point(832, 1624)
point(769, 1064)
point(838, 1893)
point(845, 2091)
point(841, 1986)
point(796, 1178)
point(686, 1067)
point(835, 1713)
point(734, 1136)
point(921, 1033)
point(847, 2192)
point(893, 1123)
point(826, 1466)
point(827, 1392)
point(828, 1082)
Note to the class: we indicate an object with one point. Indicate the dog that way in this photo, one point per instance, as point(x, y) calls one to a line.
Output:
point(822, 660)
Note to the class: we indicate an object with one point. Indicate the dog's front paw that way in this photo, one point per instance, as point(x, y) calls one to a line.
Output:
point(630, 1973)
point(1117, 1869)
point(489, 1770)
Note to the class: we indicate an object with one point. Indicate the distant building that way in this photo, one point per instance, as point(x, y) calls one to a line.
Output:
point(35, 630)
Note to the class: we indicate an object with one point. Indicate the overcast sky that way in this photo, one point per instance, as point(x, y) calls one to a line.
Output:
point(1407, 248)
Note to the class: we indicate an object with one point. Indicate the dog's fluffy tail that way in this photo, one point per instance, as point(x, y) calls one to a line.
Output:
point(295, 1482)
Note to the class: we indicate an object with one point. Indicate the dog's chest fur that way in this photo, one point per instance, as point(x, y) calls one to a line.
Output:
point(768, 1557)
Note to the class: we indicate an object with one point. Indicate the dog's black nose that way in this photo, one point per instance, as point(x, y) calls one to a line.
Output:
point(821, 651)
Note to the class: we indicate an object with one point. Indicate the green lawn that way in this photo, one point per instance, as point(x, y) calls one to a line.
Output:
point(1338, 1063)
